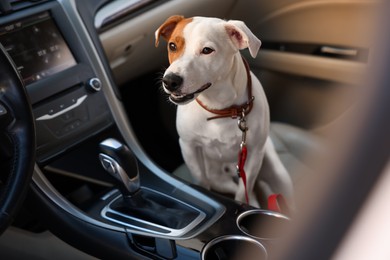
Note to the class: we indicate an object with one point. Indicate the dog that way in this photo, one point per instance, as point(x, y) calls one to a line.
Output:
point(222, 108)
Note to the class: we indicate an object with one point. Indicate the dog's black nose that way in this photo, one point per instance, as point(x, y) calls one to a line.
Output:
point(172, 81)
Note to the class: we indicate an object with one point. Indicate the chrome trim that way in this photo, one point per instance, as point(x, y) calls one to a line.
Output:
point(3, 110)
point(169, 232)
point(45, 186)
point(339, 51)
point(232, 237)
point(259, 211)
point(117, 9)
point(93, 86)
point(111, 142)
point(79, 101)
point(131, 184)
point(109, 194)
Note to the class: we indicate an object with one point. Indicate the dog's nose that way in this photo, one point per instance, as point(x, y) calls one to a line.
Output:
point(172, 81)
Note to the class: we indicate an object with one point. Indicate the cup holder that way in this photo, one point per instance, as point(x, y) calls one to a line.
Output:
point(263, 224)
point(233, 247)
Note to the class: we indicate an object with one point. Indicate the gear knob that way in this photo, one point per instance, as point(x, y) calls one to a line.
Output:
point(120, 162)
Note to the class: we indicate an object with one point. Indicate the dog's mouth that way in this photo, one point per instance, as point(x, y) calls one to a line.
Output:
point(185, 98)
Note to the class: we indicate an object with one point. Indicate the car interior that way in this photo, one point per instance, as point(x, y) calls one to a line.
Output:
point(81, 100)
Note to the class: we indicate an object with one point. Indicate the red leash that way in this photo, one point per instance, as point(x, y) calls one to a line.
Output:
point(276, 202)
point(240, 169)
point(243, 153)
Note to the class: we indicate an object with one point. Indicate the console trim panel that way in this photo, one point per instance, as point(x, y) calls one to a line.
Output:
point(79, 101)
point(148, 227)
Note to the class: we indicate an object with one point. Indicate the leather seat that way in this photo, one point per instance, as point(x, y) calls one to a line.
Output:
point(291, 143)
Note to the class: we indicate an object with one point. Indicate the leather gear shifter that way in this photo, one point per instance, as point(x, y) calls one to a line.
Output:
point(119, 162)
point(143, 204)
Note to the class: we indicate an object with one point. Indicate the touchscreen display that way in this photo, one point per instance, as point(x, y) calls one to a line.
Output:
point(36, 46)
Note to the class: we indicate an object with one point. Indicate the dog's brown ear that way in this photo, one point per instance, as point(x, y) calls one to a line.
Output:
point(242, 37)
point(166, 29)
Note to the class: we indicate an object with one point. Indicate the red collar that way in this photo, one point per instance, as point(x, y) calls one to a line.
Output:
point(234, 111)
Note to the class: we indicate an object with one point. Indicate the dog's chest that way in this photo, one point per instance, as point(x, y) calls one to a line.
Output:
point(219, 138)
point(219, 147)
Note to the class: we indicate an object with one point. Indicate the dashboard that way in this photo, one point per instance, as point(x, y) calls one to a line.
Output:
point(63, 86)
point(72, 65)
point(42, 53)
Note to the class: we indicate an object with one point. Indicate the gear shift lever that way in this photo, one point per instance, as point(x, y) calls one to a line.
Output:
point(119, 162)
point(142, 204)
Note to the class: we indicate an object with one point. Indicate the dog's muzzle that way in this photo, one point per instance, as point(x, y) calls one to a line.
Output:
point(172, 84)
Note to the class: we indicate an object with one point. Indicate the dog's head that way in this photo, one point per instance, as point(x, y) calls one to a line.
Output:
point(200, 52)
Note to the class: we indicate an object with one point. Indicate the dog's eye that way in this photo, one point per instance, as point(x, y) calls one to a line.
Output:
point(207, 50)
point(172, 47)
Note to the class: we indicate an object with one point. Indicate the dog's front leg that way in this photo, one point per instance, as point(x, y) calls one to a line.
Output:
point(193, 158)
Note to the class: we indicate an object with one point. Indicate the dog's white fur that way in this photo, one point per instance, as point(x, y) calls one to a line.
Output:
point(210, 148)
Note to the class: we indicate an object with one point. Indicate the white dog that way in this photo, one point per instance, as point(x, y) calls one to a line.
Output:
point(222, 107)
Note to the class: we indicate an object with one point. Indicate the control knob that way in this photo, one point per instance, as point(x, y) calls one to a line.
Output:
point(94, 84)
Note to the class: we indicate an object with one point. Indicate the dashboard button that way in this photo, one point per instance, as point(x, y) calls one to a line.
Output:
point(94, 84)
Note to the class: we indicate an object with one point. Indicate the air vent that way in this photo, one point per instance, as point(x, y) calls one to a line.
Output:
point(8, 6)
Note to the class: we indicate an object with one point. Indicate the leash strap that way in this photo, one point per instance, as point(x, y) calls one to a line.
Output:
point(243, 153)
point(240, 168)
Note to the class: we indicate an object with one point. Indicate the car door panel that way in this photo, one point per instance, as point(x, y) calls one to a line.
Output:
point(307, 59)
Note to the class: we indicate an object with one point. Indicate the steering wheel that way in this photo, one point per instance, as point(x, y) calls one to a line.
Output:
point(17, 140)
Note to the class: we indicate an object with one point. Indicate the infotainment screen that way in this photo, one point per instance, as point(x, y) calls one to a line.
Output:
point(36, 47)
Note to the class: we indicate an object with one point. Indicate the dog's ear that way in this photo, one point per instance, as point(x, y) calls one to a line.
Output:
point(166, 29)
point(242, 37)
